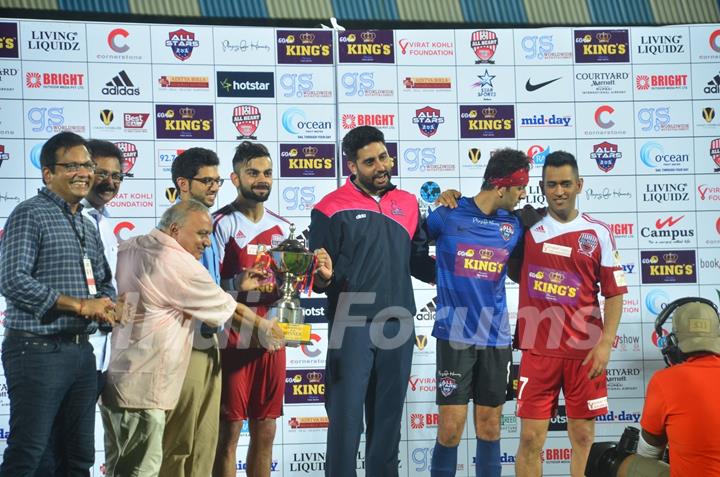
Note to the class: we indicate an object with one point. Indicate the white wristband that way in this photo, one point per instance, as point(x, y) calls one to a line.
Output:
point(646, 450)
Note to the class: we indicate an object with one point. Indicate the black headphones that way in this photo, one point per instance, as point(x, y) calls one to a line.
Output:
point(671, 349)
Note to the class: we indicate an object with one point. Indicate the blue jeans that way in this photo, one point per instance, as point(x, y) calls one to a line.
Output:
point(49, 381)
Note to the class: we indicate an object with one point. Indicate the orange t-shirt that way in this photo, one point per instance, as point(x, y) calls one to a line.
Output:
point(682, 403)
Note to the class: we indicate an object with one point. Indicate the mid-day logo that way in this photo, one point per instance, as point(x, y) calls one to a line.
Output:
point(428, 120)
point(182, 43)
point(484, 43)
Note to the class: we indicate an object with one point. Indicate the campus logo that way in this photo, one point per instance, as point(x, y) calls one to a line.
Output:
point(182, 43)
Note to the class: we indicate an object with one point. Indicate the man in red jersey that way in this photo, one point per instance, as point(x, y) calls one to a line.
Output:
point(253, 379)
point(569, 258)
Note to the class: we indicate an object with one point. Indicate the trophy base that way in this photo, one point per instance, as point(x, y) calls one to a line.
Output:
point(296, 334)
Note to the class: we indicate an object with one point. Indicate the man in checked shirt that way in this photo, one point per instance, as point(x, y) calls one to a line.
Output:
point(57, 285)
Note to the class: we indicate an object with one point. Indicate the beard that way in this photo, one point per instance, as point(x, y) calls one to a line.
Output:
point(262, 194)
point(368, 182)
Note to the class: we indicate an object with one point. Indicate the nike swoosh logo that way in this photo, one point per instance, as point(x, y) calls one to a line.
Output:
point(670, 221)
point(532, 87)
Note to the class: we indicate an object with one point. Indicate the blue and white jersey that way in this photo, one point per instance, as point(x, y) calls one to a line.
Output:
point(472, 251)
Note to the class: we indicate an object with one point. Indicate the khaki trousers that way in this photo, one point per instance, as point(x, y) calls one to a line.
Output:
point(191, 430)
point(133, 441)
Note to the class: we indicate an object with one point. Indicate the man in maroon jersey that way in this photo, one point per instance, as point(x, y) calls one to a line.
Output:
point(253, 379)
point(568, 258)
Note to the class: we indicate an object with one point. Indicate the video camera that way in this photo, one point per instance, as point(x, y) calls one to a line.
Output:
point(605, 457)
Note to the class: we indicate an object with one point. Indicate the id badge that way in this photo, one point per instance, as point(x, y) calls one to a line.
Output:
point(89, 277)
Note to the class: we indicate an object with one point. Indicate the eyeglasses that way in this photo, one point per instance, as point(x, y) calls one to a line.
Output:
point(76, 166)
point(115, 176)
point(209, 181)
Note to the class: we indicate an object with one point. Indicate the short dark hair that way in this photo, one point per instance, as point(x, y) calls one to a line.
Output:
point(100, 148)
point(247, 151)
point(559, 159)
point(190, 161)
point(504, 162)
point(358, 138)
point(63, 140)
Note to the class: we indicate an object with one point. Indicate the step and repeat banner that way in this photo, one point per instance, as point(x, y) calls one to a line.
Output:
point(639, 108)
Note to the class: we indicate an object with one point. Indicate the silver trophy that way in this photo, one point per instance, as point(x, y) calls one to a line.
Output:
point(294, 266)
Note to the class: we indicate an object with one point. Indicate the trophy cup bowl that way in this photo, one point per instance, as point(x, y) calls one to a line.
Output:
point(293, 264)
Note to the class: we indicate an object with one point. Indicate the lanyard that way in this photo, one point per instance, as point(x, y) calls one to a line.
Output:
point(71, 220)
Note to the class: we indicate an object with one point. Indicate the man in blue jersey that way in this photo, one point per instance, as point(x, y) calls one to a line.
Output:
point(473, 245)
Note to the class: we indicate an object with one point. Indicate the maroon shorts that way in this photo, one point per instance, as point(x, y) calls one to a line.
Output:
point(541, 378)
point(253, 384)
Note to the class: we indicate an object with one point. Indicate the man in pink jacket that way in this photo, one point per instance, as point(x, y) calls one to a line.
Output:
point(164, 285)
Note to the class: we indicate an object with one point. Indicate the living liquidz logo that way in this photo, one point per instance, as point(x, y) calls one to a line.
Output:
point(602, 46)
point(487, 121)
point(307, 160)
point(304, 47)
point(671, 266)
point(366, 46)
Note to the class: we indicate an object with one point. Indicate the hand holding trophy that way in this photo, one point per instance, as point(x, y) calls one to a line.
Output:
point(294, 267)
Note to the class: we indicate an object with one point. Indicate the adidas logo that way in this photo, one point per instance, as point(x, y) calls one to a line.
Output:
point(121, 85)
point(713, 86)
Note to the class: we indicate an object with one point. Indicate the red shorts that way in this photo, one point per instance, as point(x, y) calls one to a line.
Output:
point(253, 384)
point(541, 378)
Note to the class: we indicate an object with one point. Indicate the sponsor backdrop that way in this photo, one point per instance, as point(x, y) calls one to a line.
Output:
point(639, 107)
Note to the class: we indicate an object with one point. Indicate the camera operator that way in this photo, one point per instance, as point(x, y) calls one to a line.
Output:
point(680, 408)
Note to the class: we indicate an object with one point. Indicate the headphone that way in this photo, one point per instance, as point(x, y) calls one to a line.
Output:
point(671, 347)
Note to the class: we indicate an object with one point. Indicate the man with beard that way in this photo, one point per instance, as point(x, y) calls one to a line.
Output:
point(253, 379)
point(372, 232)
point(192, 426)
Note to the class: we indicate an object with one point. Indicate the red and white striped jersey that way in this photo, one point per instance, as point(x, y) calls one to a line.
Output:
point(565, 266)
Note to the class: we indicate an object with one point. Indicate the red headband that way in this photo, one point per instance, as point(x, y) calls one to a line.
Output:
point(520, 177)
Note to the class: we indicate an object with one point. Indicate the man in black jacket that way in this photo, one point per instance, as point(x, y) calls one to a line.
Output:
point(371, 229)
